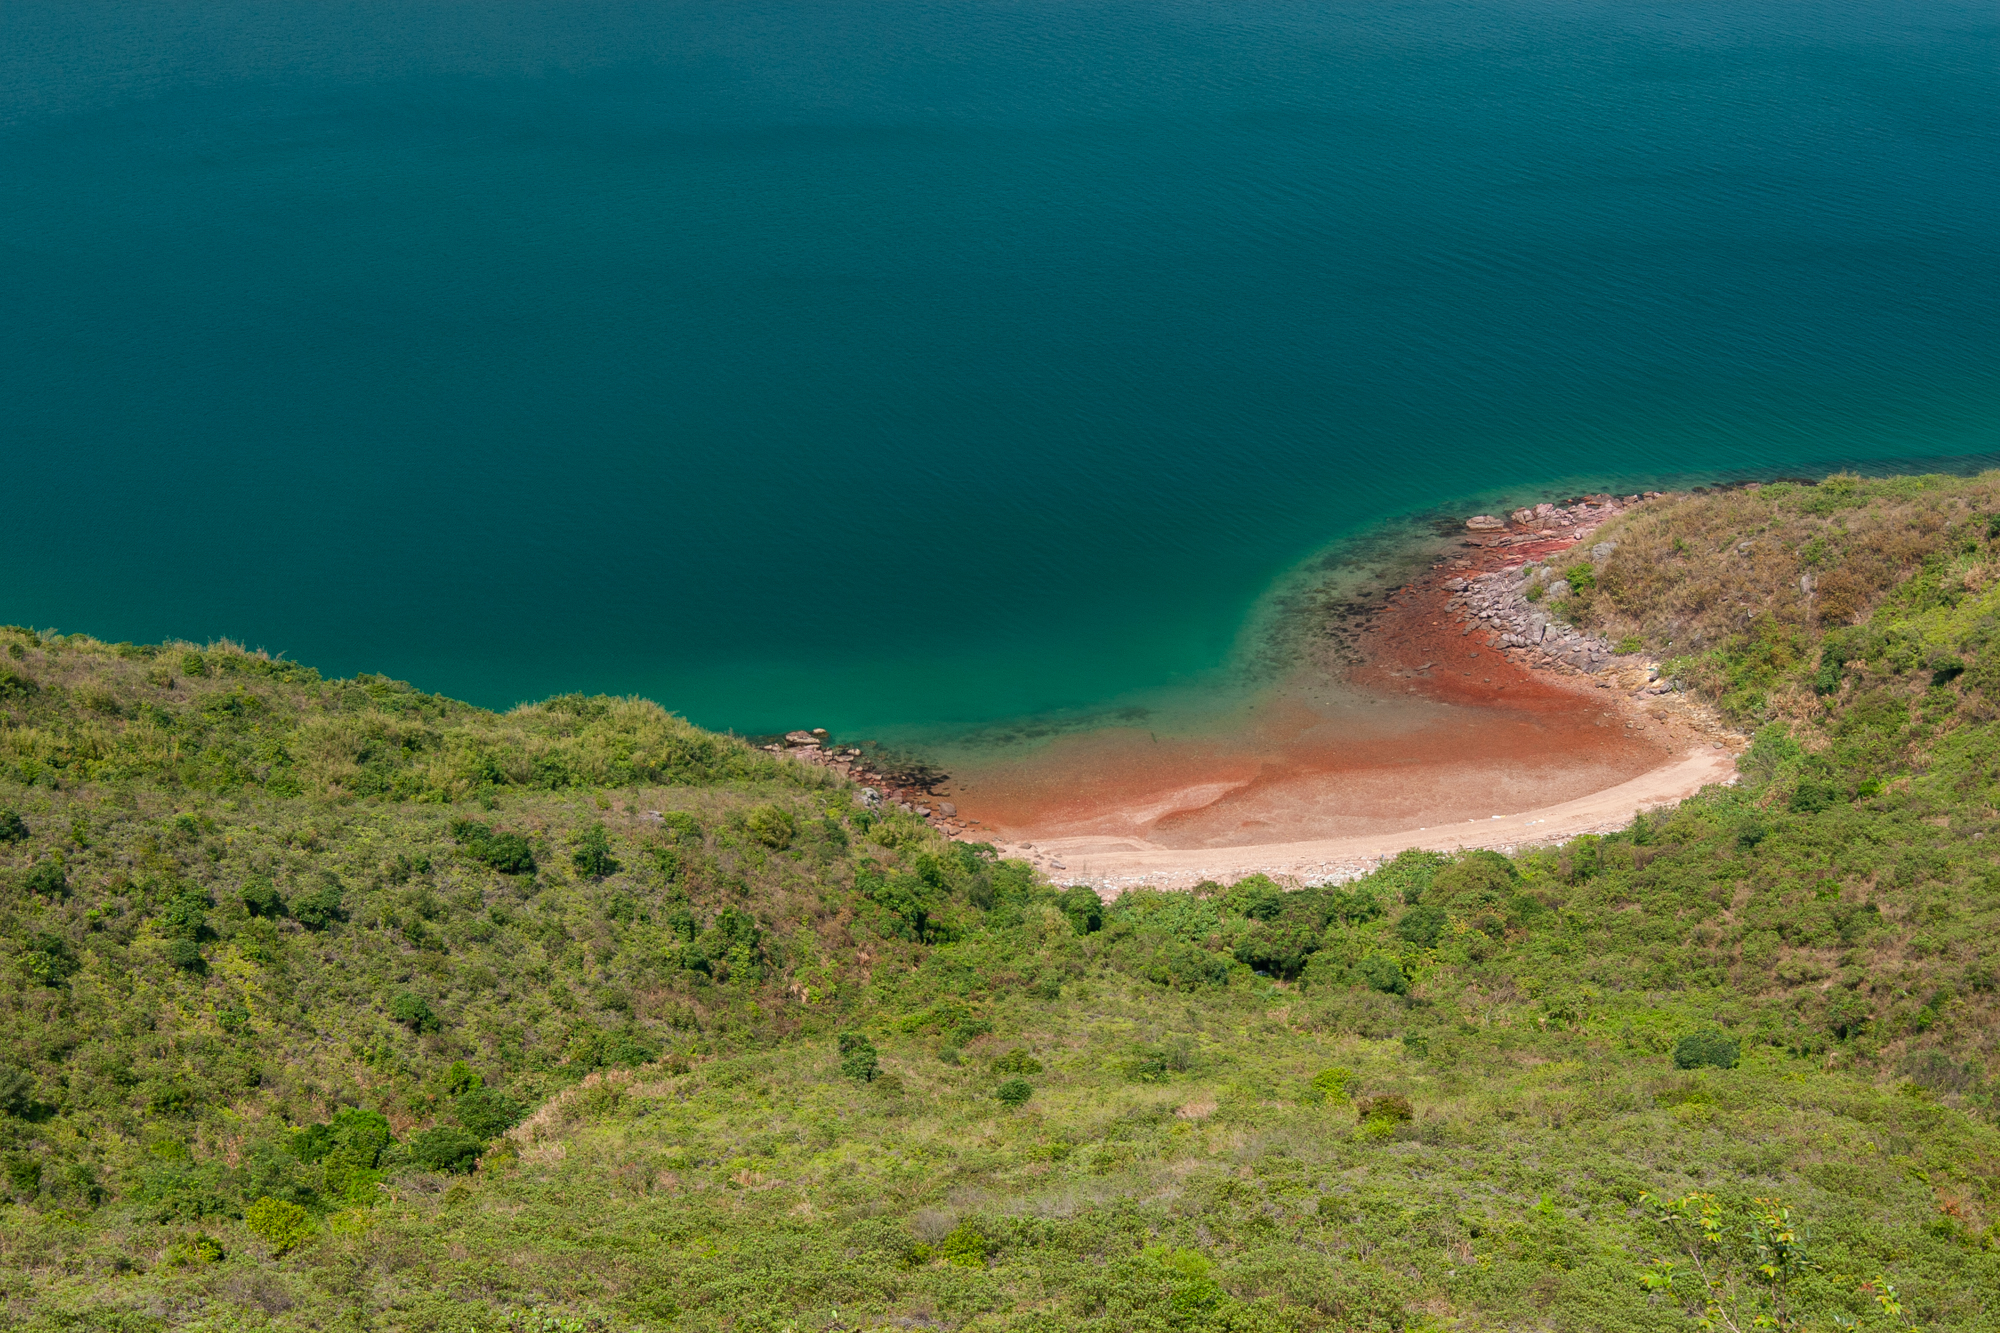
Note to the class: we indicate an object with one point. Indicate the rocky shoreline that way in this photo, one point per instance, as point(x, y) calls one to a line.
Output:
point(1517, 581)
point(878, 786)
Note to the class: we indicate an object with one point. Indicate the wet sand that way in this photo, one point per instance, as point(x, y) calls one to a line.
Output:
point(1434, 728)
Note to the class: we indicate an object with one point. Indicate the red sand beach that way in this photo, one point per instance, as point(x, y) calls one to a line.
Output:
point(1436, 731)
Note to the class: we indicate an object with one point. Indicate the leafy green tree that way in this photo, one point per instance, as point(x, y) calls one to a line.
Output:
point(184, 914)
point(17, 1091)
point(1478, 879)
point(1740, 1268)
point(1014, 1092)
point(487, 1113)
point(445, 1149)
point(1423, 925)
point(1382, 972)
point(184, 954)
point(508, 853)
point(12, 827)
point(1256, 897)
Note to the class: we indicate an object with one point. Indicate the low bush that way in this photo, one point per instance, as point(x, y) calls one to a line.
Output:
point(1385, 1106)
point(280, 1224)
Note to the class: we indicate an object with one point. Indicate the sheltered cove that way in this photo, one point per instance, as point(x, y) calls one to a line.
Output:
point(1483, 721)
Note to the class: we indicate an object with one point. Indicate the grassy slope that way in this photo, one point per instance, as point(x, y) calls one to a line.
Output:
point(1194, 1154)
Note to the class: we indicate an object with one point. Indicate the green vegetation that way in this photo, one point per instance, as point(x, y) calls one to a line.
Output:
point(348, 1007)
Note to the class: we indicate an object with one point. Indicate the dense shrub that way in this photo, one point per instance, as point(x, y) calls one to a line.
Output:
point(487, 1113)
point(858, 1058)
point(1014, 1092)
point(1476, 880)
point(354, 1137)
point(12, 827)
point(1255, 897)
point(771, 825)
point(1017, 1061)
point(593, 853)
point(48, 877)
point(445, 1149)
point(1710, 1047)
point(414, 1012)
point(508, 853)
point(319, 908)
point(1392, 1106)
point(1384, 973)
point(1083, 907)
point(282, 1225)
point(1423, 925)
point(260, 897)
point(48, 959)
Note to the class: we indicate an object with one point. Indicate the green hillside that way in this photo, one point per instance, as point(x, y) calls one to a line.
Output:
point(335, 1005)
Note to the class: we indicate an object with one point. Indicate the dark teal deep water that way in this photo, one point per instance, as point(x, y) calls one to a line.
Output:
point(875, 365)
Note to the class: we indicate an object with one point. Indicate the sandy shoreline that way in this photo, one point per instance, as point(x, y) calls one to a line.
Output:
point(1115, 864)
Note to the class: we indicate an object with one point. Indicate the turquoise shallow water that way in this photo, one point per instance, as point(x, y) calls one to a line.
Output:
point(898, 365)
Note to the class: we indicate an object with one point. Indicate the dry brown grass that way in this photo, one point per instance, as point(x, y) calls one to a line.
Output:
point(1691, 571)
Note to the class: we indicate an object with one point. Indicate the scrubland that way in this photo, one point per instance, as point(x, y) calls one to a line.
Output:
point(336, 1005)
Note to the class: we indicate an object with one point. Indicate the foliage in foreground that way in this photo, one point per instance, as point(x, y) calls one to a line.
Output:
point(657, 1033)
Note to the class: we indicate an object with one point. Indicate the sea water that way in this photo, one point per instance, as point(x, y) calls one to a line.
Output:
point(894, 365)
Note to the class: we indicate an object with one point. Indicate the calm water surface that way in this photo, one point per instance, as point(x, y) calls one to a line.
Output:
point(902, 365)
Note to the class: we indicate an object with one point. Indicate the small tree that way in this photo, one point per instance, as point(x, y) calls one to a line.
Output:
point(184, 954)
point(1014, 1092)
point(49, 959)
point(858, 1059)
point(320, 908)
point(593, 853)
point(12, 827)
point(414, 1012)
point(1740, 1273)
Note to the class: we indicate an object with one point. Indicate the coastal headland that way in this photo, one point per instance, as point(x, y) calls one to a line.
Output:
point(1457, 712)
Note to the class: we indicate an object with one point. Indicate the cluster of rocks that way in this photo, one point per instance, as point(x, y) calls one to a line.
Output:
point(1513, 601)
point(1545, 520)
point(1499, 602)
point(876, 789)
